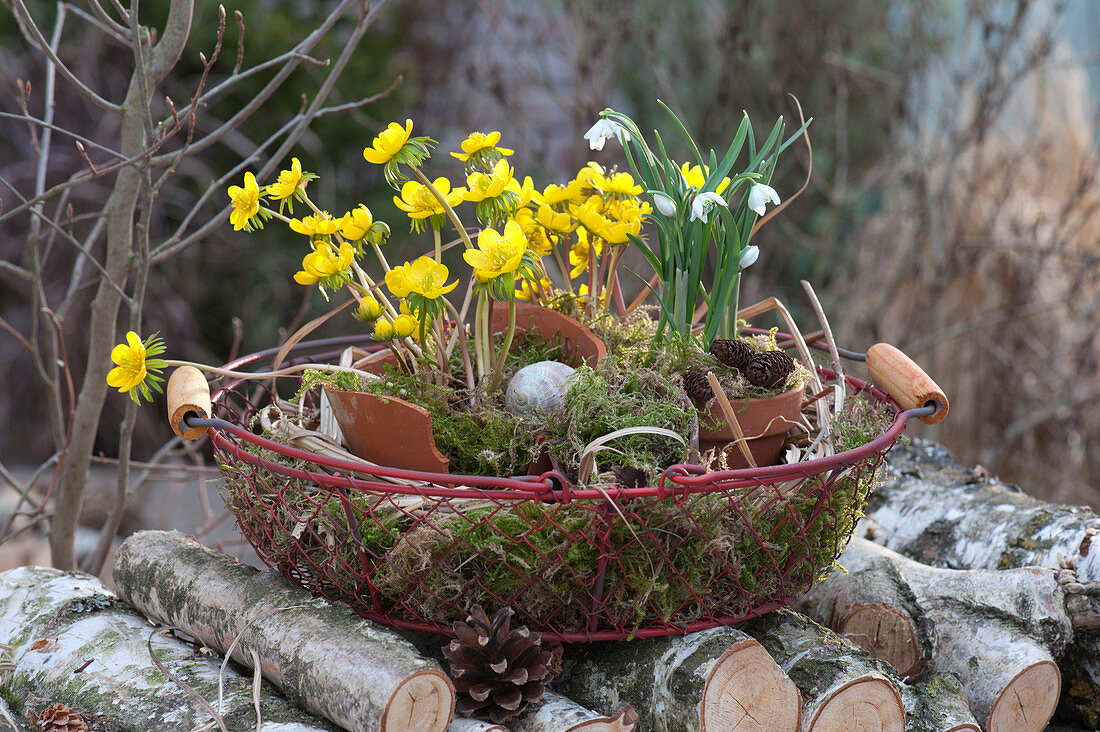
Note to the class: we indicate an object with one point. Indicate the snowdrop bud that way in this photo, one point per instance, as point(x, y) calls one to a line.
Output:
point(664, 204)
point(748, 257)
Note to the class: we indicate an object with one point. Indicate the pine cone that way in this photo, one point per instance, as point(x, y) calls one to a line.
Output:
point(732, 352)
point(60, 718)
point(697, 387)
point(497, 670)
point(769, 369)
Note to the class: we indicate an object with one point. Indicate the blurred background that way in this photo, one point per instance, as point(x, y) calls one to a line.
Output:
point(952, 208)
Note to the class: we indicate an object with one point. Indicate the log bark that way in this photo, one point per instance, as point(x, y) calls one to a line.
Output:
point(469, 724)
point(712, 680)
point(939, 513)
point(998, 631)
point(938, 704)
point(73, 642)
point(322, 656)
point(842, 687)
point(557, 713)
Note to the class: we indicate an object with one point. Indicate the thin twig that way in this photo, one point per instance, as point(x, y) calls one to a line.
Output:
point(838, 366)
point(731, 418)
point(207, 706)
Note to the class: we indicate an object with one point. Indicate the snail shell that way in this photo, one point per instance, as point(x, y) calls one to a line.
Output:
point(538, 388)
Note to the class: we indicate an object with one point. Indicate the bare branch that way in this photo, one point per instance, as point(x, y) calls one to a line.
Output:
point(105, 24)
point(14, 270)
point(239, 17)
point(176, 30)
point(36, 122)
point(34, 37)
point(84, 155)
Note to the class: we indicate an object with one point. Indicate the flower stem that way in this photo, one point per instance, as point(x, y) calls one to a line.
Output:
point(264, 374)
point(446, 207)
point(438, 246)
point(498, 368)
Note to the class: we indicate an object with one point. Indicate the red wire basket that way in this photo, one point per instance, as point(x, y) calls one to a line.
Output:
point(417, 550)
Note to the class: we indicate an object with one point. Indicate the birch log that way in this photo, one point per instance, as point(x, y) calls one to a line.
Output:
point(938, 704)
point(73, 642)
point(717, 680)
point(998, 631)
point(939, 513)
point(322, 656)
point(842, 687)
point(556, 713)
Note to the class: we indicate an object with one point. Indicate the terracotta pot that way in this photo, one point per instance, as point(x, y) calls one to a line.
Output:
point(394, 433)
point(764, 421)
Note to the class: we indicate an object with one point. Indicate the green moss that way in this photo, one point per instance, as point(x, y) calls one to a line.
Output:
point(14, 702)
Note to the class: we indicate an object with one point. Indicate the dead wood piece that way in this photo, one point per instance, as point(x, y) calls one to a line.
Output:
point(938, 704)
point(72, 641)
point(842, 687)
point(321, 655)
point(469, 724)
point(710, 680)
point(942, 514)
point(998, 631)
point(557, 713)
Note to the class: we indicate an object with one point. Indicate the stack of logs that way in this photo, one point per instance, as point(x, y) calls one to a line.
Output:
point(978, 634)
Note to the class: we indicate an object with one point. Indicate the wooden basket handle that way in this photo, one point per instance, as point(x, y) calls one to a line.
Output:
point(188, 392)
point(905, 381)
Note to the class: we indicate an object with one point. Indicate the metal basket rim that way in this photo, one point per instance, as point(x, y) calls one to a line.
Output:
point(680, 479)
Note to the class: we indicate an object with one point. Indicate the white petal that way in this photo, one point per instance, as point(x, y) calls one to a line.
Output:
point(760, 195)
point(748, 257)
point(703, 203)
point(664, 204)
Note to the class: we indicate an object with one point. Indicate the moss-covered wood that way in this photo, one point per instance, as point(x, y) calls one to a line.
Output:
point(940, 513)
point(842, 687)
point(993, 629)
point(938, 704)
point(323, 656)
point(718, 679)
point(556, 713)
point(75, 643)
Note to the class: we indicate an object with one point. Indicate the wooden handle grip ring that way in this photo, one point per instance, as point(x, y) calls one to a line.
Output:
point(905, 381)
point(188, 392)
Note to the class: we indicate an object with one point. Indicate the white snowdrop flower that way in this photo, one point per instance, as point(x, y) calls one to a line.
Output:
point(603, 130)
point(748, 257)
point(664, 204)
point(703, 203)
point(759, 195)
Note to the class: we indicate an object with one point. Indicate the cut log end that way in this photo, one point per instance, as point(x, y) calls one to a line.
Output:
point(1028, 701)
point(869, 703)
point(423, 701)
point(746, 691)
point(886, 633)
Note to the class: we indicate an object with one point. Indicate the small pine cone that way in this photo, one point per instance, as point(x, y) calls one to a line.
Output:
point(497, 670)
point(60, 718)
point(732, 352)
point(769, 369)
point(697, 387)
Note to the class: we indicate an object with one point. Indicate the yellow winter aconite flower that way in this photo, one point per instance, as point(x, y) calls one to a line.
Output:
point(590, 179)
point(481, 151)
point(424, 277)
point(136, 369)
point(356, 223)
point(130, 358)
point(538, 241)
point(695, 177)
point(579, 253)
point(528, 290)
point(325, 261)
point(320, 225)
point(620, 185)
point(388, 143)
point(404, 326)
point(555, 195)
point(496, 254)
point(287, 182)
point(418, 202)
point(488, 185)
point(559, 223)
point(383, 330)
point(246, 203)
point(369, 309)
